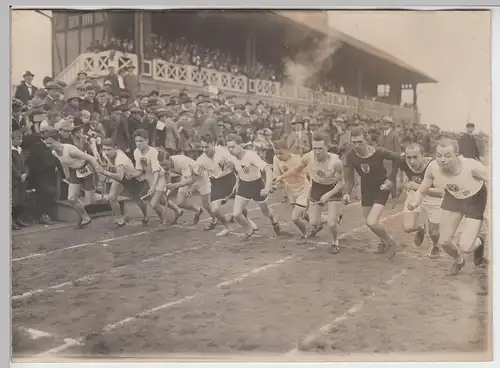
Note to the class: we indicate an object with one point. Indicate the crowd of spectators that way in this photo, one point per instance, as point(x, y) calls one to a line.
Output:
point(174, 120)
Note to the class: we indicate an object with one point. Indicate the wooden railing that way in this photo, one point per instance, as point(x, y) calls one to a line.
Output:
point(97, 64)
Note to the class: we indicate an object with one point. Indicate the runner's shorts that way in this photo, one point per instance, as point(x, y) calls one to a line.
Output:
point(318, 190)
point(201, 187)
point(431, 205)
point(299, 198)
point(87, 183)
point(372, 194)
point(134, 187)
point(472, 207)
point(222, 187)
point(251, 190)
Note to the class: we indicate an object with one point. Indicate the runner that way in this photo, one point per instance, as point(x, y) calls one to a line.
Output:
point(216, 161)
point(327, 179)
point(192, 180)
point(81, 171)
point(464, 180)
point(376, 185)
point(146, 161)
point(250, 186)
point(125, 178)
point(414, 164)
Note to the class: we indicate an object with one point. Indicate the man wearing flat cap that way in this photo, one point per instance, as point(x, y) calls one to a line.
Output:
point(53, 99)
point(25, 91)
point(170, 137)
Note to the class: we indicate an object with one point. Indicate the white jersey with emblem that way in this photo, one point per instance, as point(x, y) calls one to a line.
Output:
point(81, 167)
point(322, 172)
point(186, 167)
point(463, 185)
point(295, 184)
point(215, 167)
point(249, 168)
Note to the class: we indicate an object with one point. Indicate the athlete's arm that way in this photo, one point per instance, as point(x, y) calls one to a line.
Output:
point(339, 179)
point(435, 192)
point(294, 171)
point(480, 172)
point(155, 166)
point(118, 175)
point(348, 175)
point(79, 155)
point(427, 181)
point(396, 161)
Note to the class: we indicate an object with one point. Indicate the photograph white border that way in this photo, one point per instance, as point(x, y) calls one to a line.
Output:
point(5, 279)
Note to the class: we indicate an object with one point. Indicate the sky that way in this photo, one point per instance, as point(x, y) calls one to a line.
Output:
point(453, 47)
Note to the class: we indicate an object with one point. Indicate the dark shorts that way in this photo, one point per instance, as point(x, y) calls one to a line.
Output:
point(222, 187)
point(318, 190)
point(135, 188)
point(472, 207)
point(373, 194)
point(88, 183)
point(251, 190)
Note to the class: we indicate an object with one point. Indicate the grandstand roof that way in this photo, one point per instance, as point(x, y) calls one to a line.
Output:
point(356, 43)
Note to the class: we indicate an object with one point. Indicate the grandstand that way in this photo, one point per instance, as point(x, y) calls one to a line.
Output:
point(361, 69)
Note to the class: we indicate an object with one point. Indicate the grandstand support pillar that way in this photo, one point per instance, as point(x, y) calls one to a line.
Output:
point(359, 82)
point(414, 88)
point(250, 49)
point(142, 32)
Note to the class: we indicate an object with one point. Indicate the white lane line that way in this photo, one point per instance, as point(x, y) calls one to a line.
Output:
point(106, 241)
point(90, 277)
point(308, 342)
point(222, 285)
point(36, 334)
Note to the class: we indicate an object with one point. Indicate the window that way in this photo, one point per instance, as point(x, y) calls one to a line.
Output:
point(73, 21)
point(87, 19)
point(383, 90)
point(406, 86)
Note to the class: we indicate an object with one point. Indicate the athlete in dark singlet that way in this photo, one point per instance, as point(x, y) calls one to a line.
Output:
point(376, 185)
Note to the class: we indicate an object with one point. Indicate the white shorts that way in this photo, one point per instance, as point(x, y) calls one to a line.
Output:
point(298, 198)
point(202, 187)
point(431, 205)
point(160, 185)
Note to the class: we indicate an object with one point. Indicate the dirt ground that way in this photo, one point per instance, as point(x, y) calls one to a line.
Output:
point(136, 292)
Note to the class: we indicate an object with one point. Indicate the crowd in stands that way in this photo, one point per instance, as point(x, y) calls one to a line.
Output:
point(174, 120)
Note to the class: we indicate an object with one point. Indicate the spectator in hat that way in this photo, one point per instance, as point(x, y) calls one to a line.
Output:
point(112, 77)
point(72, 105)
point(298, 140)
point(46, 81)
point(19, 181)
point(131, 82)
point(467, 144)
point(81, 77)
point(135, 119)
point(53, 99)
point(169, 128)
point(121, 135)
point(25, 91)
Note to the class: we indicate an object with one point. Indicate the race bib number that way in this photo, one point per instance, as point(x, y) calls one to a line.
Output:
point(83, 172)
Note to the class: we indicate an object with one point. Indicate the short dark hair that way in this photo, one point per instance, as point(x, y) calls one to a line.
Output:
point(415, 145)
point(207, 138)
point(318, 136)
point(280, 145)
point(357, 131)
point(163, 155)
point(143, 133)
point(234, 138)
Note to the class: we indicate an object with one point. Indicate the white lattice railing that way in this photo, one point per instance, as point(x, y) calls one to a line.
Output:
point(97, 64)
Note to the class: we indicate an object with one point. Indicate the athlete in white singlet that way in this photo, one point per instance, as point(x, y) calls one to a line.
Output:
point(126, 178)
point(464, 181)
point(192, 180)
point(327, 180)
point(216, 161)
point(82, 172)
point(413, 164)
point(250, 185)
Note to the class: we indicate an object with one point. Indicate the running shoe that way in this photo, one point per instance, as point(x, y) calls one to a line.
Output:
point(276, 228)
point(197, 216)
point(315, 230)
point(211, 226)
point(456, 268)
point(419, 236)
point(381, 248)
point(247, 236)
point(391, 251)
point(434, 252)
point(302, 240)
point(145, 220)
point(177, 217)
point(334, 248)
point(479, 253)
point(85, 223)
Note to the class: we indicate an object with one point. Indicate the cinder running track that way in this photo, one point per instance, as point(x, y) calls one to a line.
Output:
point(136, 292)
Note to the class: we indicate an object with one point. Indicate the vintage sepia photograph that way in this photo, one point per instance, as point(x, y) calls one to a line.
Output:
point(250, 185)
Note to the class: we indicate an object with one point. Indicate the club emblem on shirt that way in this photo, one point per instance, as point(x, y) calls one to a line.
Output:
point(144, 163)
point(245, 169)
point(222, 165)
point(320, 173)
point(365, 168)
point(285, 168)
point(452, 187)
point(416, 179)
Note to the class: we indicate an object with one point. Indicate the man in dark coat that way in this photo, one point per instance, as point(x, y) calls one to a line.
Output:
point(467, 144)
point(25, 91)
point(19, 181)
